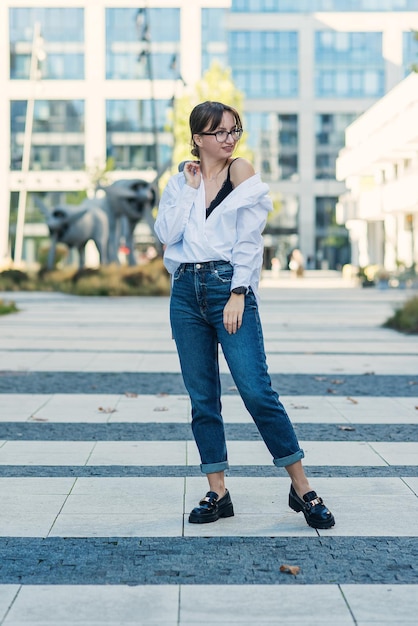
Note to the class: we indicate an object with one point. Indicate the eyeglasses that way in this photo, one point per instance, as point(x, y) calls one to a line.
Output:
point(222, 135)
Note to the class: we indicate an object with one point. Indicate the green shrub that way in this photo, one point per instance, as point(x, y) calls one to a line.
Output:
point(150, 279)
point(12, 280)
point(405, 318)
point(7, 307)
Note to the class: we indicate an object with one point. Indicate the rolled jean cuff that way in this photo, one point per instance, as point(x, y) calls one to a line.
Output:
point(211, 468)
point(289, 460)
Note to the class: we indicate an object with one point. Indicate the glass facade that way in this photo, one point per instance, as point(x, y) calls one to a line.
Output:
point(142, 45)
point(214, 37)
point(349, 65)
point(62, 31)
point(57, 137)
point(410, 51)
point(265, 63)
point(130, 139)
point(329, 140)
point(274, 139)
point(311, 6)
point(331, 240)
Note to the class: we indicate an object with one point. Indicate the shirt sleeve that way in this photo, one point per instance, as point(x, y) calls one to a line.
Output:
point(247, 253)
point(174, 211)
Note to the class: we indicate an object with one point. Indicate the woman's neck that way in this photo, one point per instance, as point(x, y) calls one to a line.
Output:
point(212, 171)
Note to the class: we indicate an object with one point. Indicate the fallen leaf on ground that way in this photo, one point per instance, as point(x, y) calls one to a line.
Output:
point(106, 410)
point(290, 569)
point(352, 400)
point(346, 428)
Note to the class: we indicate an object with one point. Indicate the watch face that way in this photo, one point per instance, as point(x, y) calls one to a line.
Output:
point(239, 290)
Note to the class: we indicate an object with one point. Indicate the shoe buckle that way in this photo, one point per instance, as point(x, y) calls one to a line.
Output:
point(207, 500)
point(314, 502)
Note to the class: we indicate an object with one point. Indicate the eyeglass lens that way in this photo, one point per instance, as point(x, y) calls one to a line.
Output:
point(222, 135)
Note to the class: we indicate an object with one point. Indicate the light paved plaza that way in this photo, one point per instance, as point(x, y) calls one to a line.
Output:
point(98, 469)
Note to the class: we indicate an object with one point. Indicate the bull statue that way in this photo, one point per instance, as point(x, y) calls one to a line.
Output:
point(128, 202)
point(103, 220)
point(75, 226)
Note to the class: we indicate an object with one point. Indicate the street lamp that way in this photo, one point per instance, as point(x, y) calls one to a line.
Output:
point(37, 55)
point(143, 31)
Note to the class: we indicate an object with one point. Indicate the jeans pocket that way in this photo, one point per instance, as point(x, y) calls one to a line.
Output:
point(223, 273)
point(178, 273)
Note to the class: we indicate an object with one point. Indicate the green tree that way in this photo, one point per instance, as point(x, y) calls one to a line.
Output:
point(216, 84)
point(414, 66)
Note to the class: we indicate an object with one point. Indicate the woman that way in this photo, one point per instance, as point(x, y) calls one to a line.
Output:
point(211, 217)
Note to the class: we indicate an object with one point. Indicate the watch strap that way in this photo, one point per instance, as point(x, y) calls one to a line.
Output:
point(240, 290)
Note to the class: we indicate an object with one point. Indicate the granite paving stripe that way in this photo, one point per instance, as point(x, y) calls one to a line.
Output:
point(202, 560)
point(138, 350)
point(158, 471)
point(366, 384)
point(174, 431)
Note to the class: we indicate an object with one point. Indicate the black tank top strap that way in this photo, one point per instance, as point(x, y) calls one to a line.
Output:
point(223, 192)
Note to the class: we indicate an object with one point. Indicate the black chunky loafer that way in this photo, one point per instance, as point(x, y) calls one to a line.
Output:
point(316, 513)
point(210, 509)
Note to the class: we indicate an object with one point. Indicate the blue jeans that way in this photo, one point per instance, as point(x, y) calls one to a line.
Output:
point(199, 294)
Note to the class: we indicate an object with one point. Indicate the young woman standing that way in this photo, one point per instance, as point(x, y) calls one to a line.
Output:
point(211, 217)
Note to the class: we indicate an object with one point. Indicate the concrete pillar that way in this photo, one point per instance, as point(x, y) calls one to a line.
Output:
point(306, 149)
point(5, 135)
point(391, 243)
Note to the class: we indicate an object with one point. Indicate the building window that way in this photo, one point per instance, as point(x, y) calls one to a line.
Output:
point(274, 139)
point(214, 37)
point(310, 6)
point(57, 137)
point(130, 132)
point(62, 31)
point(127, 48)
point(349, 65)
point(329, 140)
point(332, 242)
point(410, 52)
point(265, 63)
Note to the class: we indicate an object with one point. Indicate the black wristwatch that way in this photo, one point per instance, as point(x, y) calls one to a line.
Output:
point(239, 290)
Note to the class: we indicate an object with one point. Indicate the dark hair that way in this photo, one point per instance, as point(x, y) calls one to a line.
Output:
point(209, 113)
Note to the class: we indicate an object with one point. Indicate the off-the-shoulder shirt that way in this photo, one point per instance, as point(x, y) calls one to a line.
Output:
point(233, 232)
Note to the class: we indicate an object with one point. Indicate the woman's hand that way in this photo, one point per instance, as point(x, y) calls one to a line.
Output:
point(192, 174)
point(233, 312)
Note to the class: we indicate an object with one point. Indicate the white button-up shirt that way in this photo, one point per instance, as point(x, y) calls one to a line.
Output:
point(232, 232)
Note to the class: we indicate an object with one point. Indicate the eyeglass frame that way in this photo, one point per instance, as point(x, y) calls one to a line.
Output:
point(228, 132)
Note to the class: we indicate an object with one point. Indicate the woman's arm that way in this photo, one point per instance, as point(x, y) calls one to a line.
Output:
point(174, 211)
point(247, 253)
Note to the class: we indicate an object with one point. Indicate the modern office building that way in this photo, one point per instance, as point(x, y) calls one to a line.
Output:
point(307, 69)
point(379, 165)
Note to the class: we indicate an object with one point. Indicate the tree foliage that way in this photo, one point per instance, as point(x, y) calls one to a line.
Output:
point(414, 66)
